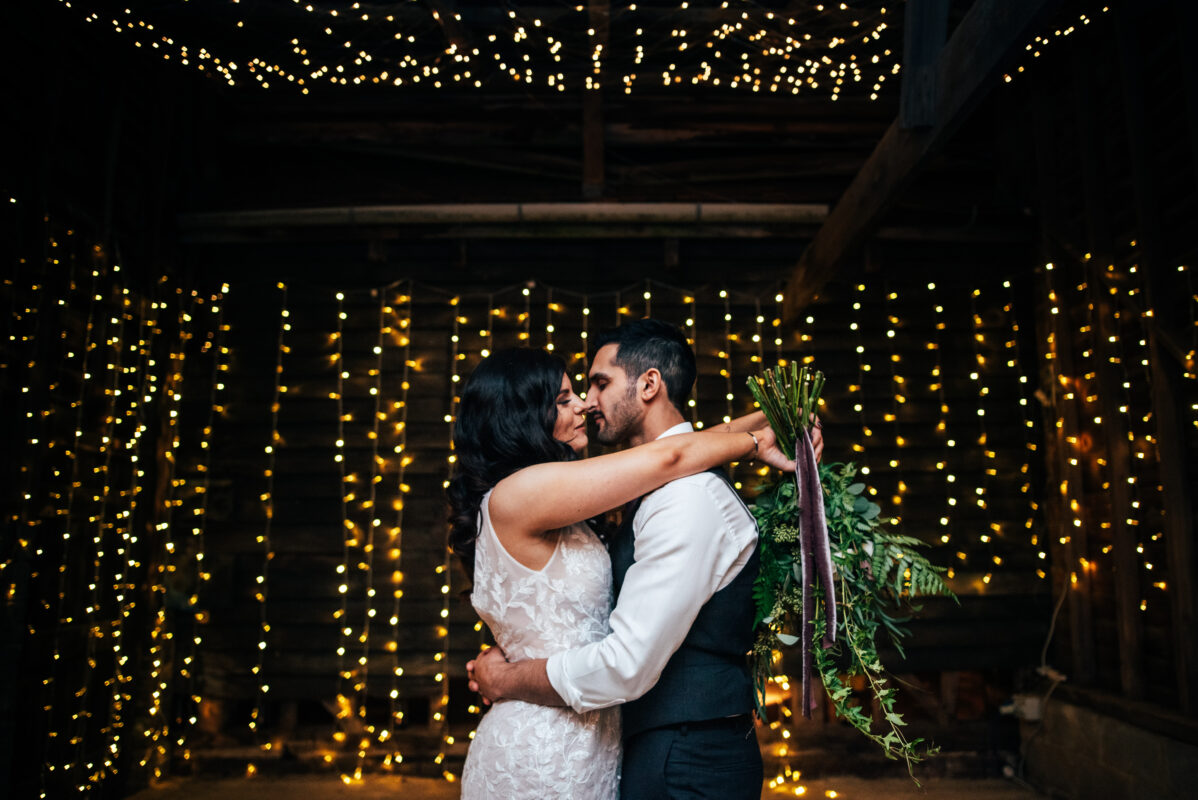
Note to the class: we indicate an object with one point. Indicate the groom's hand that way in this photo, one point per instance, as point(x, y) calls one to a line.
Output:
point(483, 673)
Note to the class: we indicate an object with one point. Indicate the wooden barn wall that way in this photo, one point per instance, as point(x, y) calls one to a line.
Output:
point(272, 607)
point(1115, 161)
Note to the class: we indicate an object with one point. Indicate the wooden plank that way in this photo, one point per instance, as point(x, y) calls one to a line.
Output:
point(968, 67)
point(1178, 512)
point(924, 28)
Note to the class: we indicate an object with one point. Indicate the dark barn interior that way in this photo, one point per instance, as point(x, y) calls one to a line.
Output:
point(252, 250)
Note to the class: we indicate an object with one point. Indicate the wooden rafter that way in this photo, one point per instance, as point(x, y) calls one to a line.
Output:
point(968, 68)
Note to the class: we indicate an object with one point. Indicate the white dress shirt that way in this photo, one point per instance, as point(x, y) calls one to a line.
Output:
point(693, 537)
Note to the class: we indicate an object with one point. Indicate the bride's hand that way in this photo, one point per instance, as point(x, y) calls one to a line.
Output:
point(817, 437)
point(769, 453)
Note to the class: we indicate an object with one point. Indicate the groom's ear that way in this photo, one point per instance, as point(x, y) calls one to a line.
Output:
point(650, 384)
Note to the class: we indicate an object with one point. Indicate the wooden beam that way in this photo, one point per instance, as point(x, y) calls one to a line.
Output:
point(599, 16)
point(1065, 478)
point(968, 68)
point(1104, 326)
point(924, 29)
point(509, 214)
point(1170, 435)
point(1187, 23)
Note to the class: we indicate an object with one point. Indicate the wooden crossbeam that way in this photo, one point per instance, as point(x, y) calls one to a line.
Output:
point(969, 66)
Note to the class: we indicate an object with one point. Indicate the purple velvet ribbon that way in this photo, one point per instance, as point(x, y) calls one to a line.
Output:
point(816, 557)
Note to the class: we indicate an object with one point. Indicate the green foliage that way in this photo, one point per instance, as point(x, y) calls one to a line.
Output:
point(878, 573)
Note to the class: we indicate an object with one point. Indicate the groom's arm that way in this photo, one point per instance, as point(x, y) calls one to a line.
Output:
point(492, 676)
point(693, 537)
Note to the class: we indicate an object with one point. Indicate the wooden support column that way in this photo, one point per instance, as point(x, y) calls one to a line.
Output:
point(969, 66)
point(1187, 24)
point(1178, 511)
point(1066, 485)
point(599, 13)
point(924, 28)
point(1104, 327)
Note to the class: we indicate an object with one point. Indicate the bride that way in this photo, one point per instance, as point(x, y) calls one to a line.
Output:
point(520, 506)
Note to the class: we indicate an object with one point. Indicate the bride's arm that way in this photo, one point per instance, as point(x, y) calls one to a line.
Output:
point(749, 422)
point(549, 496)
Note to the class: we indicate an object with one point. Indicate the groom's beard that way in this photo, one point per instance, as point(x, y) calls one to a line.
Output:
point(621, 422)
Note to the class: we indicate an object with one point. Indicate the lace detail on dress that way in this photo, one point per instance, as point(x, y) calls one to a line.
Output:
point(521, 750)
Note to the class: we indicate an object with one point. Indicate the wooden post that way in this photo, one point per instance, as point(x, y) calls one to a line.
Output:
point(599, 14)
point(1066, 485)
point(1104, 326)
point(1187, 25)
point(1178, 512)
point(924, 28)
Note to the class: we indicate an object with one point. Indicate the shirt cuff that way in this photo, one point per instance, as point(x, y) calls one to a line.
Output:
point(556, 671)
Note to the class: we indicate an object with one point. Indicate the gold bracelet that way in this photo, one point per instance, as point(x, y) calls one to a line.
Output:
point(753, 436)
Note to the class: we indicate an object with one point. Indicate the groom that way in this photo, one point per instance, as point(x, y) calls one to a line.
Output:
point(683, 565)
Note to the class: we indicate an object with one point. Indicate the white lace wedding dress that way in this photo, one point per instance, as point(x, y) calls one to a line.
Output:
point(521, 750)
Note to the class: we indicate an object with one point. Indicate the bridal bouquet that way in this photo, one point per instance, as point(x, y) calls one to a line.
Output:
point(821, 525)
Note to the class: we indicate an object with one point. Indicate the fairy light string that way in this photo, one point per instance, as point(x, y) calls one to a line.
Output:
point(829, 48)
point(857, 390)
point(395, 714)
point(1147, 454)
point(898, 398)
point(91, 776)
point(758, 358)
point(936, 387)
point(161, 635)
point(262, 580)
point(584, 344)
point(692, 308)
point(441, 714)
point(348, 534)
point(369, 505)
point(140, 393)
point(67, 512)
point(1012, 346)
point(1190, 371)
point(216, 344)
point(979, 345)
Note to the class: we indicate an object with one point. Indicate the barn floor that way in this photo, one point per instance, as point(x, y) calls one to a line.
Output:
point(324, 787)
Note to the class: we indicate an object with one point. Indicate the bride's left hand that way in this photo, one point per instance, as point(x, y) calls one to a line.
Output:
point(769, 453)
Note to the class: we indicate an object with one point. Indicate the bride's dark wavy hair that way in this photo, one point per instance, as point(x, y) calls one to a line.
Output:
point(505, 423)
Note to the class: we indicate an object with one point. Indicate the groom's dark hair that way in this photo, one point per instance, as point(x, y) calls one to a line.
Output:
point(652, 344)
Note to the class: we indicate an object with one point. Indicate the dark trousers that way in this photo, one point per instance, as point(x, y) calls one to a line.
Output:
point(711, 759)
